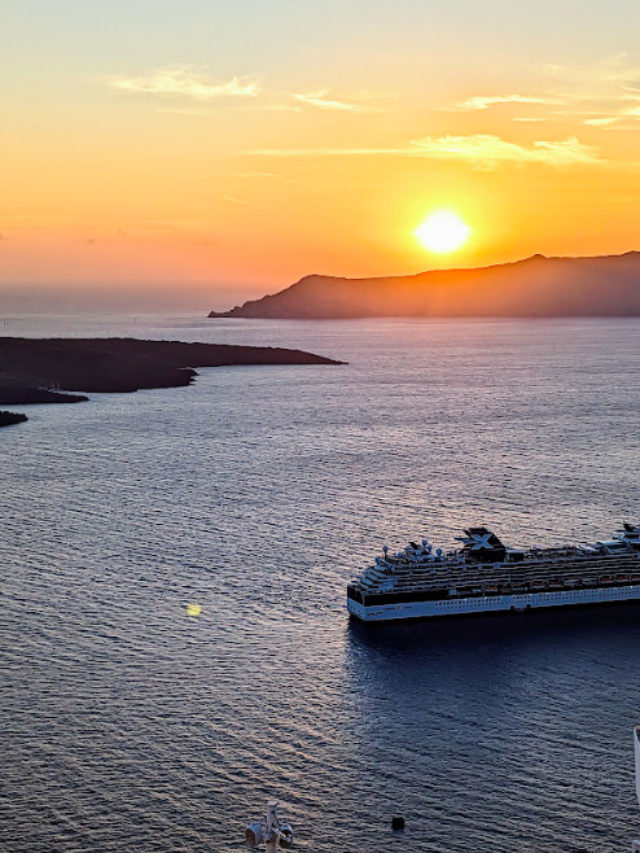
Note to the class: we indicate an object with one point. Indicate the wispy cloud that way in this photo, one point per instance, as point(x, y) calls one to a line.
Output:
point(598, 96)
point(620, 115)
point(487, 151)
point(189, 82)
point(483, 102)
point(322, 102)
point(600, 122)
point(186, 81)
point(483, 151)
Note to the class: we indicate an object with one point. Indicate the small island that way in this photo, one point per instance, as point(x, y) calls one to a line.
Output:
point(43, 370)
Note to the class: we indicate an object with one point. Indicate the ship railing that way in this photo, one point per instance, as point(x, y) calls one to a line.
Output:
point(518, 582)
point(517, 578)
point(628, 563)
point(483, 589)
point(487, 588)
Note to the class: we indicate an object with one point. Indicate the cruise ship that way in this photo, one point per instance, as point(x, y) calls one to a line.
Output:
point(485, 576)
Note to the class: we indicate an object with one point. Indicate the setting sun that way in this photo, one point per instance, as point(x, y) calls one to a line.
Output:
point(442, 232)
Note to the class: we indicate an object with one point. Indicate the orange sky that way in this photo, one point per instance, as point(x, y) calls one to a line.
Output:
point(243, 148)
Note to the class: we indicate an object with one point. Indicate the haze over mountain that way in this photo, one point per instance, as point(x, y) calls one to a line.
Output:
point(534, 287)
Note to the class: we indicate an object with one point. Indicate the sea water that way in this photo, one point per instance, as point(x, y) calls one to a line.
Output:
point(256, 494)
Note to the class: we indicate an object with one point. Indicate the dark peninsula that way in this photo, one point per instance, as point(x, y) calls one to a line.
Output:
point(535, 287)
point(10, 418)
point(34, 370)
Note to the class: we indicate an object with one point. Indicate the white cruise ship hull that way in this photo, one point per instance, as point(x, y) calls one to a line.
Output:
point(520, 602)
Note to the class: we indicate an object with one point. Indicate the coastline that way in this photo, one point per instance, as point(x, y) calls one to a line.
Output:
point(43, 370)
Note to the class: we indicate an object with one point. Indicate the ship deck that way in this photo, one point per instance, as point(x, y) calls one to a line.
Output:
point(410, 580)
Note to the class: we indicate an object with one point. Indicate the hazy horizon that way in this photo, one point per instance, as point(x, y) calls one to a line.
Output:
point(121, 298)
point(157, 297)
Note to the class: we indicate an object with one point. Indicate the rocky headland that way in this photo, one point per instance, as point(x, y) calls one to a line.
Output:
point(10, 418)
point(533, 287)
point(42, 370)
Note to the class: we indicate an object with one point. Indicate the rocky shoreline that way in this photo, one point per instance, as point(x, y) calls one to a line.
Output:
point(42, 370)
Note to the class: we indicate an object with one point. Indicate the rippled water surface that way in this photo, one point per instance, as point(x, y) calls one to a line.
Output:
point(257, 493)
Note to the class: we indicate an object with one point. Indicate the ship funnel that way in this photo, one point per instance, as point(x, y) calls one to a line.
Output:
point(483, 545)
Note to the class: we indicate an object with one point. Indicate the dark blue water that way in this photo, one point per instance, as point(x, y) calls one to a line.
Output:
point(257, 493)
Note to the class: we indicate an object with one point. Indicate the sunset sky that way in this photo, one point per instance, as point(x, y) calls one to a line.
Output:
point(232, 147)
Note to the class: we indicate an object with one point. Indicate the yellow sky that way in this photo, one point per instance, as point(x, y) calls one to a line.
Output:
point(208, 150)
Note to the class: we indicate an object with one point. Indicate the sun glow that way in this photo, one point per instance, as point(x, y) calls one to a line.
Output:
point(442, 232)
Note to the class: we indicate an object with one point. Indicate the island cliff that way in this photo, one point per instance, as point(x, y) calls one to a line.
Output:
point(534, 287)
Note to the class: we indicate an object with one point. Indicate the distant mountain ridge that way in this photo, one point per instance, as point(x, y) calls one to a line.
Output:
point(534, 287)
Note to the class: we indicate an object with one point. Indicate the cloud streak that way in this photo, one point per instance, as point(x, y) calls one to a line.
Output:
point(483, 151)
point(187, 82)
point(483, 102)
point(488, 151)
point(321, 102)
point(604, 95)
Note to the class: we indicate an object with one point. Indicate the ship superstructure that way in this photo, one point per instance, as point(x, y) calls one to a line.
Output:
point(486, 576)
